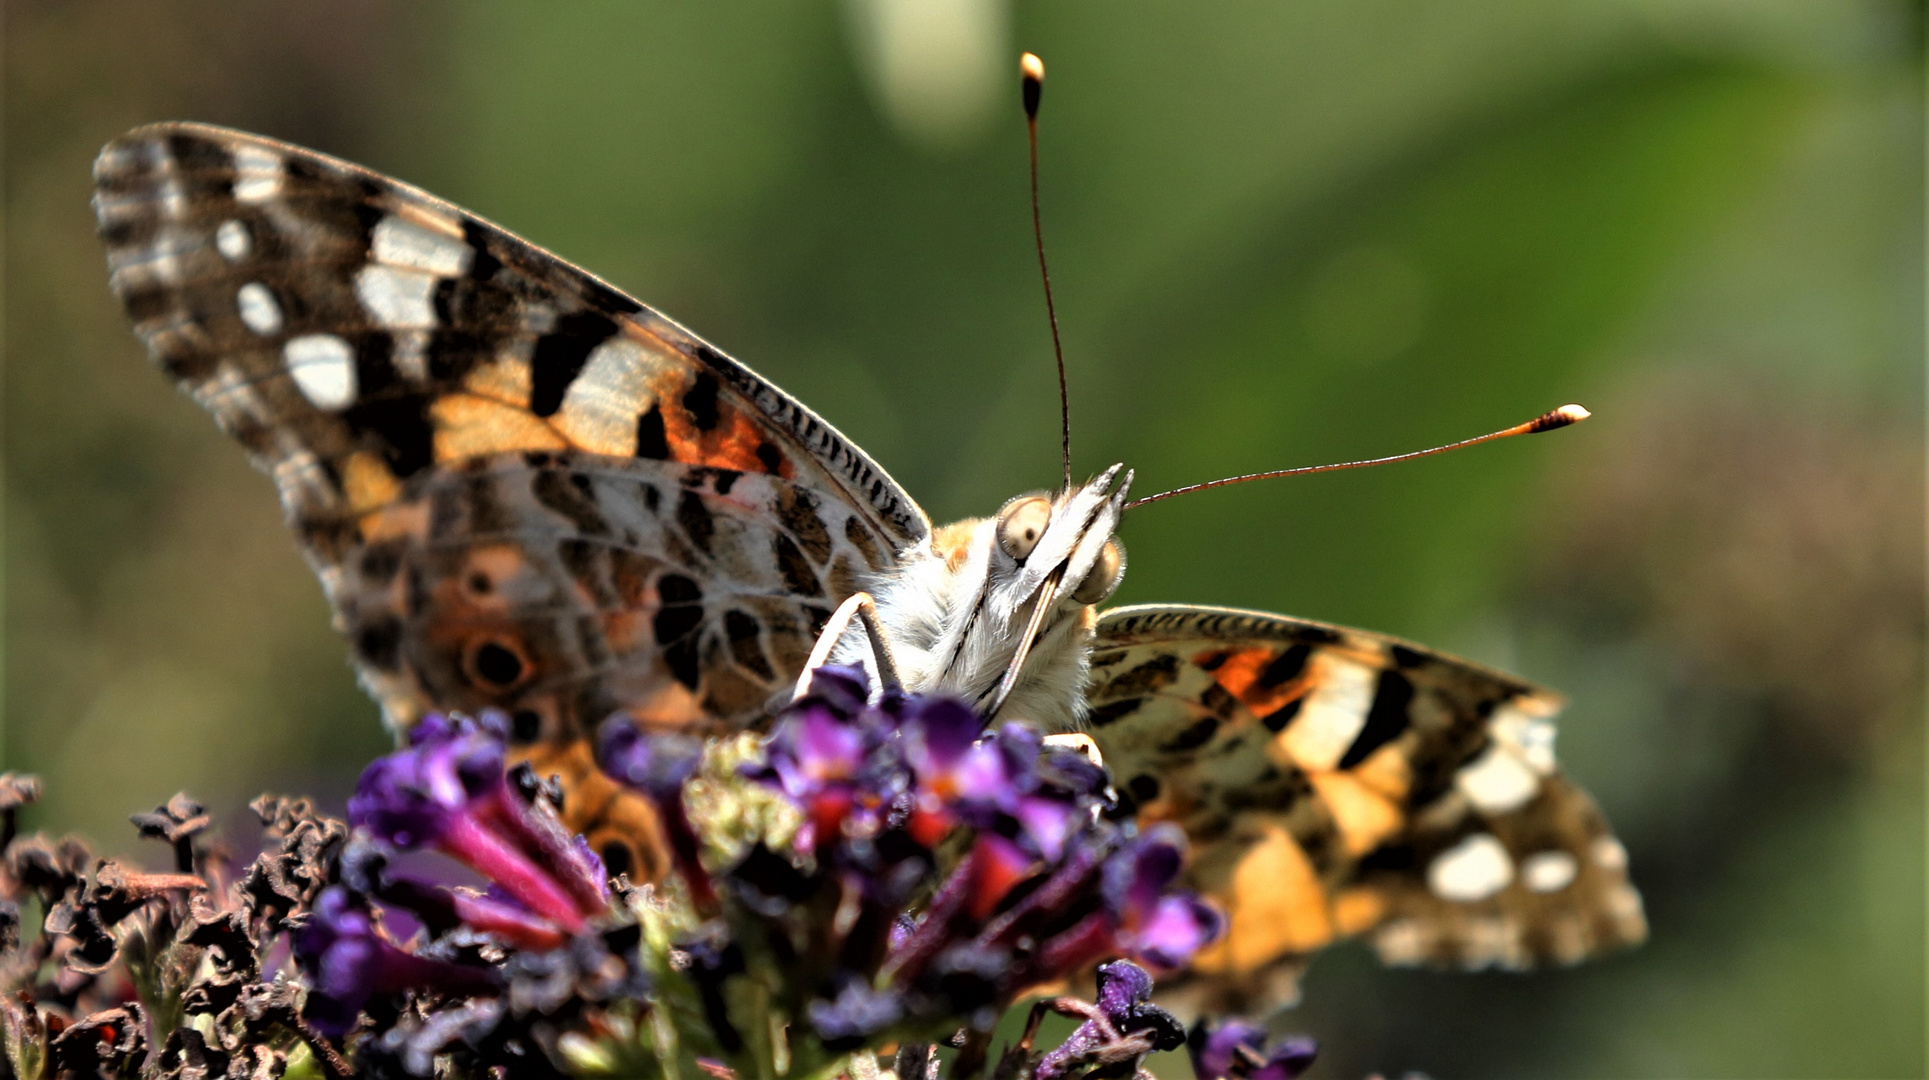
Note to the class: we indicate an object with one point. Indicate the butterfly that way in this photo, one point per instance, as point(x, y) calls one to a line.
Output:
point(523, 490)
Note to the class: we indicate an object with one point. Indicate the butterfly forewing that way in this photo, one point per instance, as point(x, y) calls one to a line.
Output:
point(1341, 783)
point(520, 487)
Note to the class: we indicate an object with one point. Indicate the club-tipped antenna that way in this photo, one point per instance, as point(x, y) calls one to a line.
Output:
point(1548, 421)
point(1031, 73)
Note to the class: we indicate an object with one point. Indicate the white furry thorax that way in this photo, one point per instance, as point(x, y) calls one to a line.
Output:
point(926, 604)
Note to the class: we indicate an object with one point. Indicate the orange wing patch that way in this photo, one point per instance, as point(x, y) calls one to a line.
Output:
point(698, 424)
point(368, 483)
point(1363, 816)
point(1275, 907)
point(1251, 676)
point(469, 426)
point(633, 395)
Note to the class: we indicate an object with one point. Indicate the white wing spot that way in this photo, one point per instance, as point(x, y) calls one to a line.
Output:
point(406, 244)
point(233, 241)
point(600, 408)
point(115, 209)
point(257, 174)
point(119, 158)
point(1474, 869)
point(538, 318)
point(323, 366)
point(1498, 781)
point(1609, 855)
point(399, 299)
point(1400, 943)
point(174, 200)
point(1548, 871)
point(1531, 737)
point(1333, 714)
point(258, 309)
point(409, 354)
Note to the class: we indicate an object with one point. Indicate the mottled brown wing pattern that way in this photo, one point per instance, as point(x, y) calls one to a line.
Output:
point(1340, 783)
point(521, 488)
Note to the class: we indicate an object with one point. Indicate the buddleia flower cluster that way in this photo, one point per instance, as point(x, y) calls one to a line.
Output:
point(880, 874)
point(936, 872)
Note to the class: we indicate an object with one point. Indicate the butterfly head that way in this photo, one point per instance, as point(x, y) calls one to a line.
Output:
point(1000, 610)
point(1059, 550)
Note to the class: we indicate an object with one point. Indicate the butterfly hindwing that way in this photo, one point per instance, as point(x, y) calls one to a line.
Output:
point(520, 487)
point(1341, 783)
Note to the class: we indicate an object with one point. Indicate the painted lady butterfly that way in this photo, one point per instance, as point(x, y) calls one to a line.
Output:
point(524, 490)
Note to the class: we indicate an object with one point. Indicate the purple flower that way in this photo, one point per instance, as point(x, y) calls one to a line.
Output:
point(1123, 1028)
point(1048, 885)
point(857, 1012)
point(1235, 1049)
point(1158, 925)
point(448, 779)
point(447, 790)
point(817, 751)
point(1177, 927)
point(817, 756)
point(1137, 875)
point(656, 764)
point(505, 919)
point(996, 866)
point(843, 688)
point(408, 798)
point(1122, 987)
point(1049, 822)
point(941, 746)
point(349, 960)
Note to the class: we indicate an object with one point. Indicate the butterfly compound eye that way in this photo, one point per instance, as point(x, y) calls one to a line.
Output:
point(1021, 523)
point(1104, 575)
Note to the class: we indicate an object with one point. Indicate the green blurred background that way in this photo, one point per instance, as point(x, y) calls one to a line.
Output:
point(1281, 234)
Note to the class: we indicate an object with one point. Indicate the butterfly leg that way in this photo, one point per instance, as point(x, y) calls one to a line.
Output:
point(863, 608)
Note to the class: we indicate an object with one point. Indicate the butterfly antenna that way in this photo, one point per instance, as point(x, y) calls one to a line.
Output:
point(1548, 421)
point(1031, 71)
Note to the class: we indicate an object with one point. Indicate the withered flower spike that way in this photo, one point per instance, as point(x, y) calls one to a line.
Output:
point(94, 946)
point(178, 822)
point(280, 814)
point(16, 790)
point(332, 1062)
point(118, 892)
point(106, 1041)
